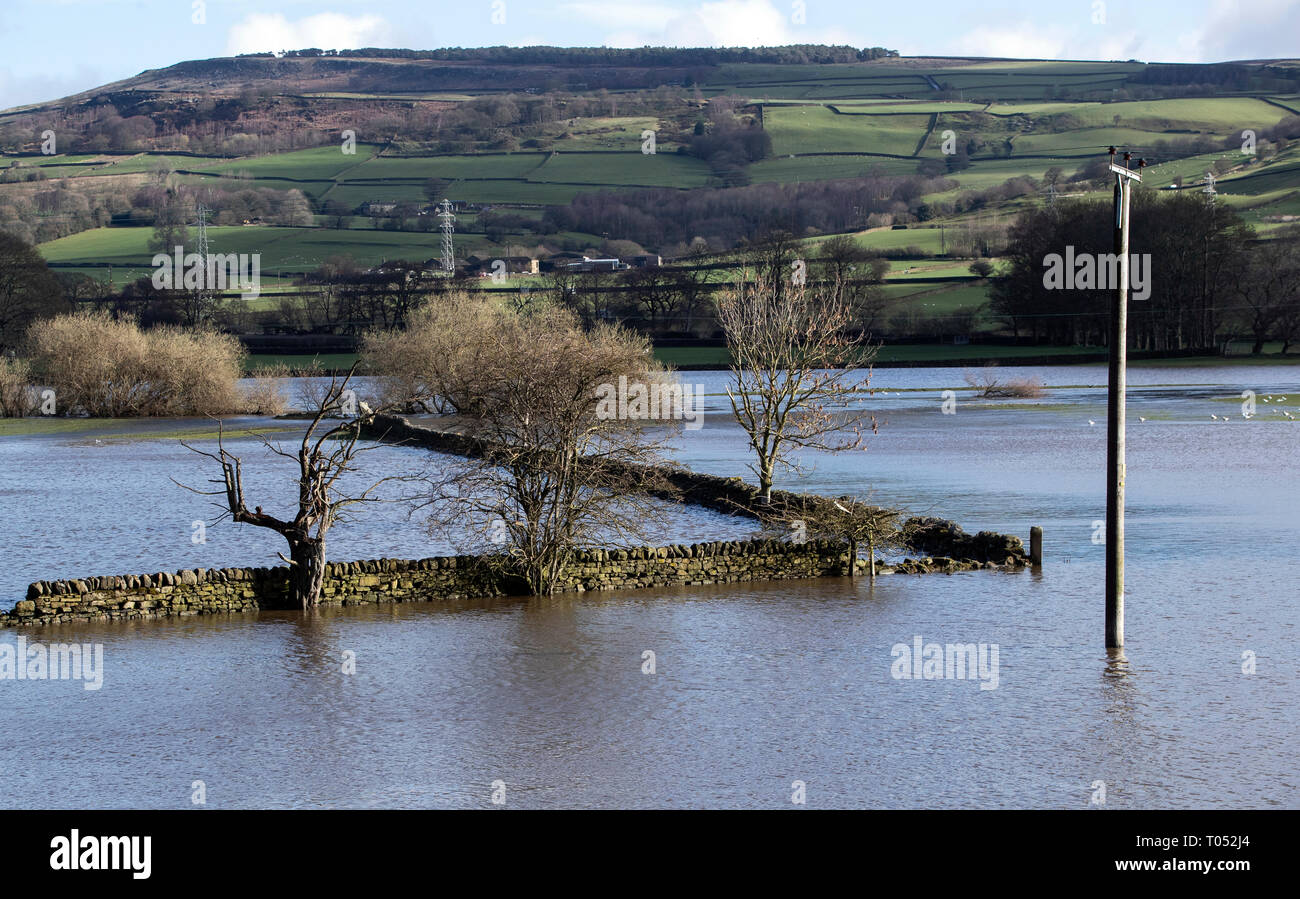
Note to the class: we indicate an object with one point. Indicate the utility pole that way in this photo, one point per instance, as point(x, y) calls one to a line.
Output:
point(1117, 388)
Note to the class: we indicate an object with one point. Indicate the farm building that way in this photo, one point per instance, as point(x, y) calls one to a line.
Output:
point(587, 264)
point(509, 265)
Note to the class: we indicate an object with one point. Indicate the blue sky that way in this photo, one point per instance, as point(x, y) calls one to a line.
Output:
point(51, 48)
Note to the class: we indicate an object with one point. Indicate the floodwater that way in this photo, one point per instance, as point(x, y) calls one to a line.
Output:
point(546, 703)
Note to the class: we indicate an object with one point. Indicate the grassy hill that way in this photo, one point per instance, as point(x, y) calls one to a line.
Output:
point(512, 133)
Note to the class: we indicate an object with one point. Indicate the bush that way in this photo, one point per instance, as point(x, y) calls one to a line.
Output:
point(422, 367)
point(990, 386)
point(101, 366)
point(265, 396)
point(17, 398)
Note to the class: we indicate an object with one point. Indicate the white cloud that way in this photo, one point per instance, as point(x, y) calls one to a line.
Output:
point(713, 23)
point(1250, 29)
point(1101, 42)
point(36, 86)
point(731, 23)
point(1022, 41)
point(260, 32)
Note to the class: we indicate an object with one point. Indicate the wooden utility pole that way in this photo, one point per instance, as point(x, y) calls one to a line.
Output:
point(1115, 410)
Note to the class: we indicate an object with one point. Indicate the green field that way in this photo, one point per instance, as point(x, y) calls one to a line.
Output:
point(926, 238)
point(826, 122)
point(623, 169)
point(787, 169)
point(816, 129)
point(1218, 115)
point(621, 134)
point(318, 164)
point(292, 249)
point(718, 356)
point(421, 168)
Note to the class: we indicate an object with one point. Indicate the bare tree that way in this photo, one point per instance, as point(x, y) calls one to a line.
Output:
point(854, 275)
point(563, 464)
point(436, 363)
point(794, 370)
point(328, 450)
point(852, 520)
point(990, 386)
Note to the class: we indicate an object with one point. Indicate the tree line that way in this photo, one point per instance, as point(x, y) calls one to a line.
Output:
point(727, 217)
point(1211, 276)
point(791, 54)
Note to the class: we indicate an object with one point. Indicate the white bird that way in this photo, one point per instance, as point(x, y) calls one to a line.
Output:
point(1215, 417)
point(1091, 422)
point(1140, 418)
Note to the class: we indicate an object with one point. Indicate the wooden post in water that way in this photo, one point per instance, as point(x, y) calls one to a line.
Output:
point(1036, 546)
point(1115, 407)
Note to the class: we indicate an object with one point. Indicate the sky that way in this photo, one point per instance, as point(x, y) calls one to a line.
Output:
point(52, 48)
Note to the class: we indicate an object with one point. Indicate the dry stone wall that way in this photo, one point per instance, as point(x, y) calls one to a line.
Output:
point(209, 591)
point(206, 591)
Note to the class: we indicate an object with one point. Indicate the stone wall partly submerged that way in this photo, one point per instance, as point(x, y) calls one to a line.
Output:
point(206, 591)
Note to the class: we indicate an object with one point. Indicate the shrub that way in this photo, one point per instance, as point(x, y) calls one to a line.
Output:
point(265, 396)
point(426, 367)
point(101, 366)
point(990, 386)
point(17, 398)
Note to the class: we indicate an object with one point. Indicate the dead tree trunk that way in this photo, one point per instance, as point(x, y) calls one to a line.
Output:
point(324, 454)
point(306, 570)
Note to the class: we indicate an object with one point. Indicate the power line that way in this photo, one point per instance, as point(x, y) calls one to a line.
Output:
point(448, 224)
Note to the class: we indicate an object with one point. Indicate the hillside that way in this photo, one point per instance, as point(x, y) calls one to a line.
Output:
point(544, 150)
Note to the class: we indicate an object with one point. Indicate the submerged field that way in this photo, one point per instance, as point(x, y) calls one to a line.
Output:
point(757, 685)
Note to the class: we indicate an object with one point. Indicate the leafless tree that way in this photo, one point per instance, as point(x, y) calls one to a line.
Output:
point(855, 521)
point(436, 362)
point(561, 468)
point(28, 291)
point(794, 370)
point(854, 275)
point(328, 451)
point(990, 385)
